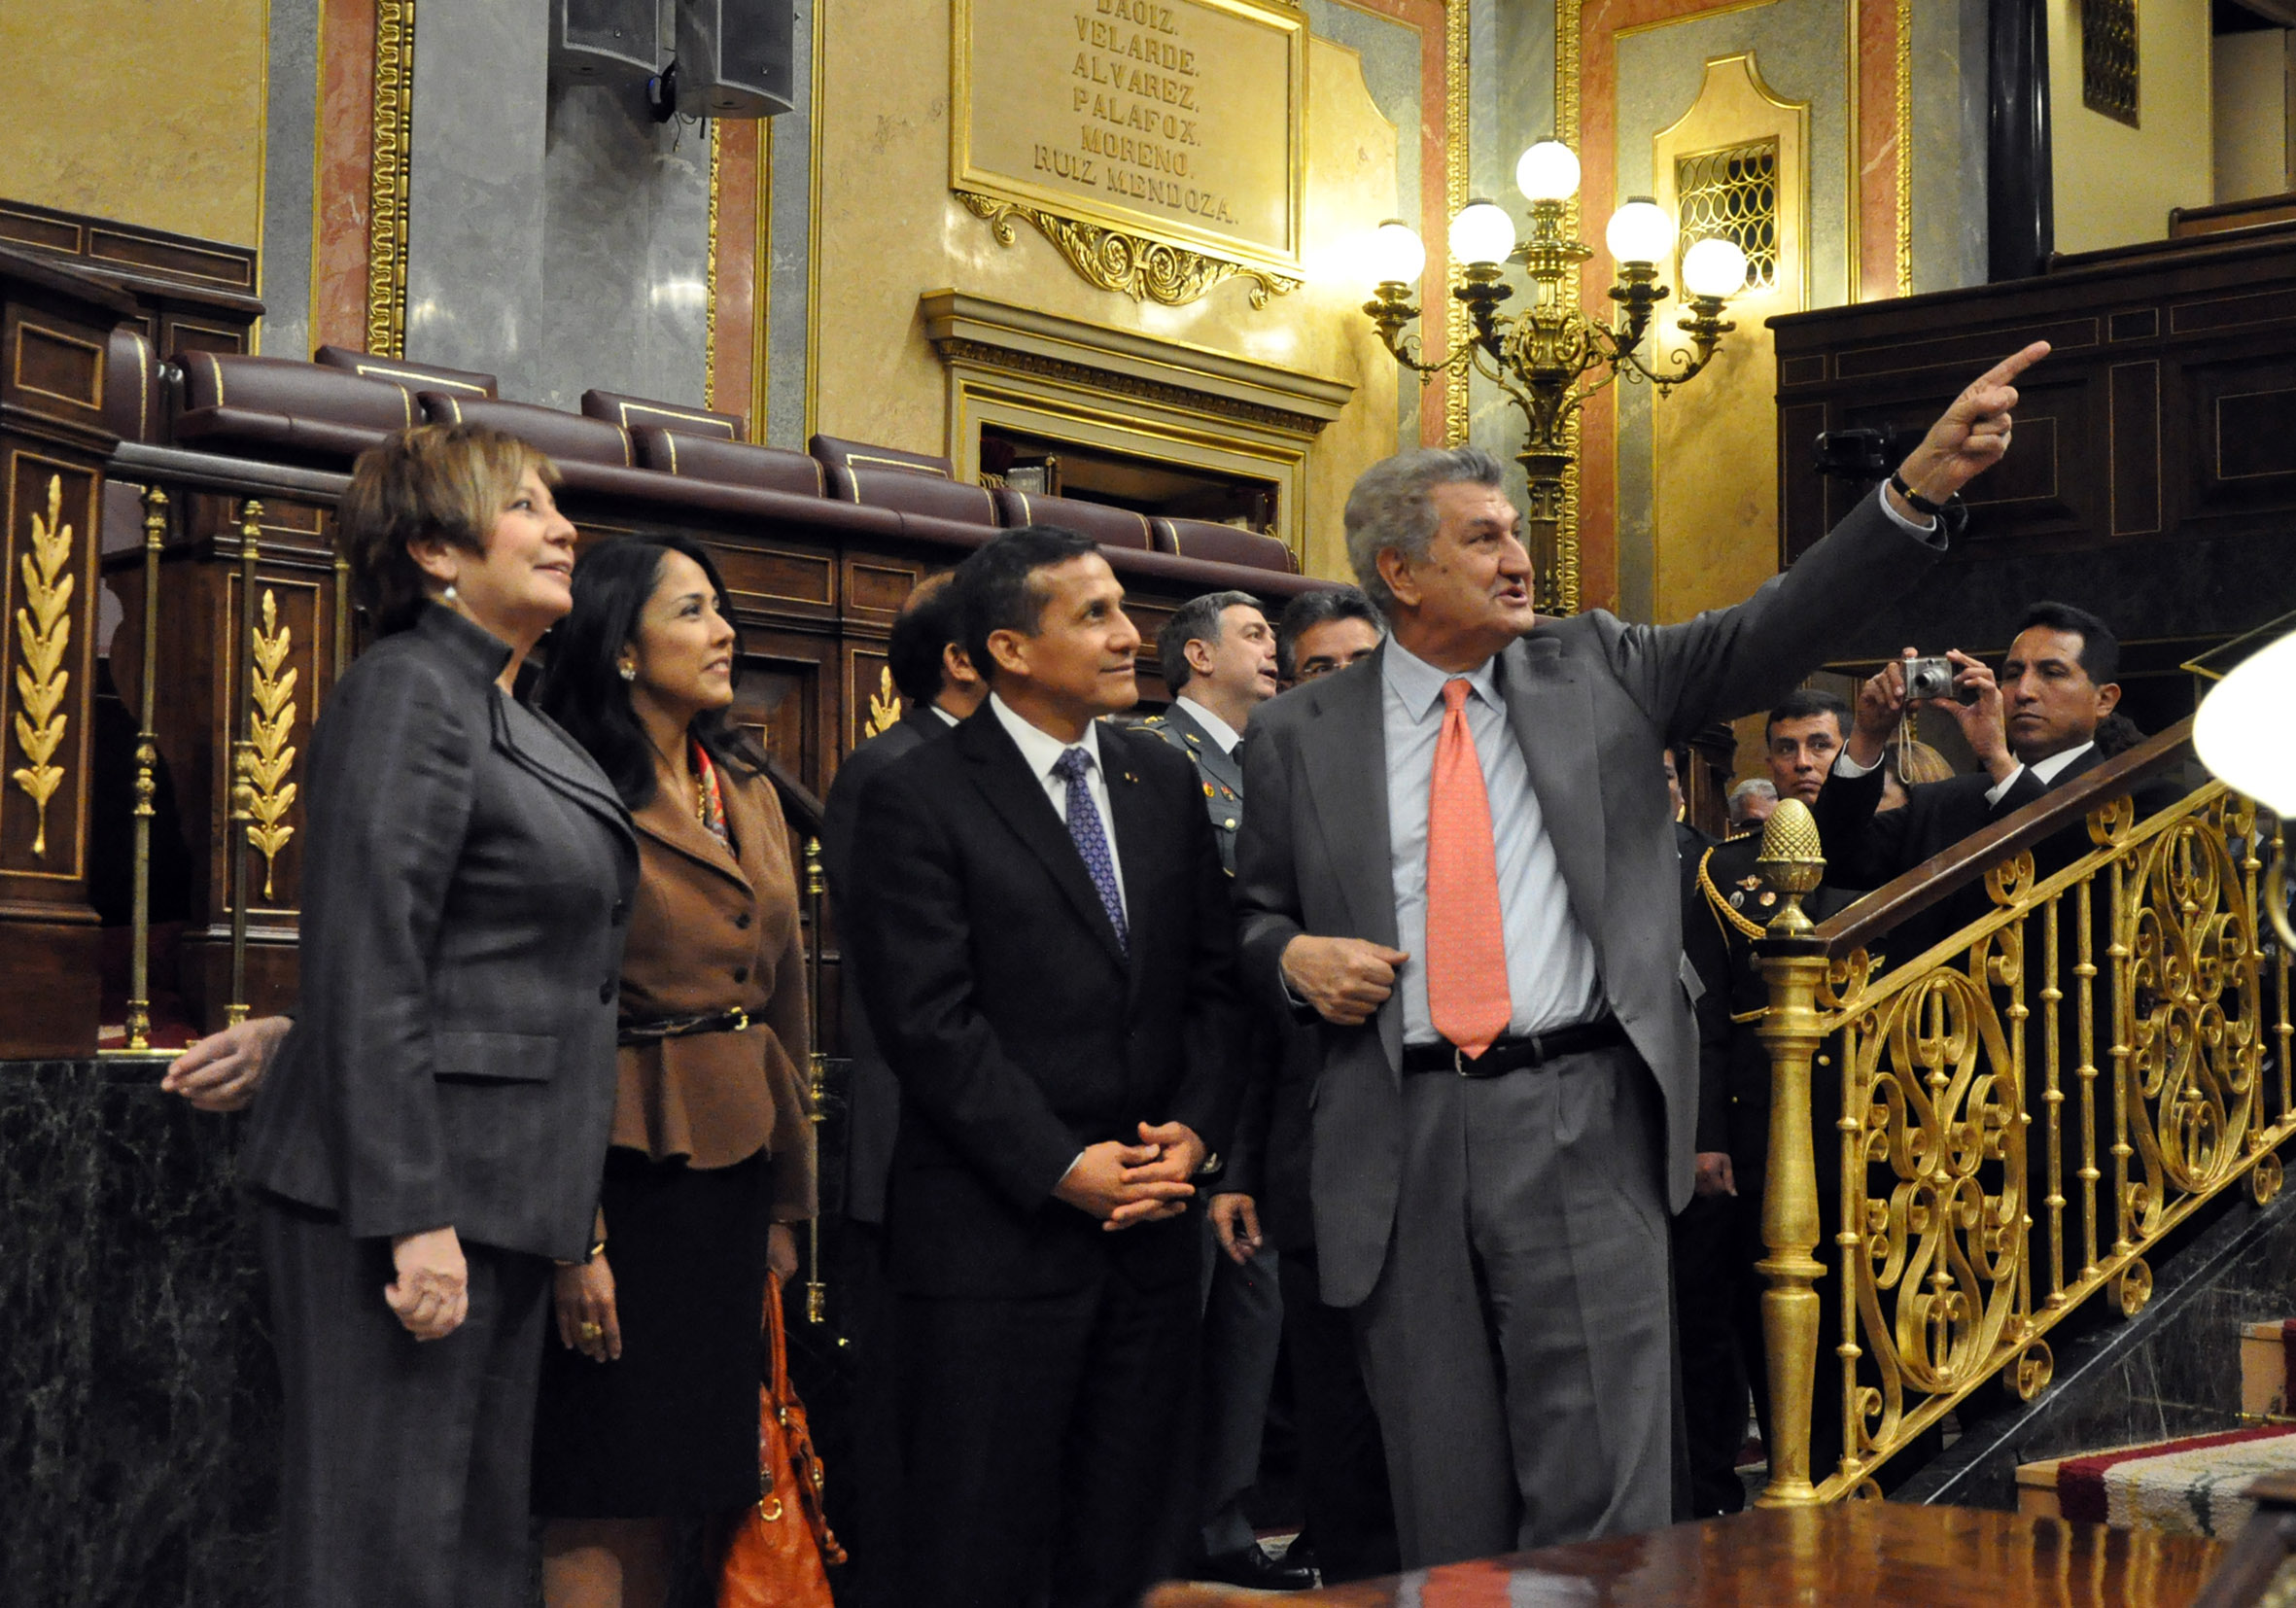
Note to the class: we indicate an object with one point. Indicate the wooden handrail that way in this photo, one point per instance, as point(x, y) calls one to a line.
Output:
point(798, 802)
point(1862, 924)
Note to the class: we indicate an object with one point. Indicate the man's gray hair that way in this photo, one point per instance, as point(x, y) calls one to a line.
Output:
point(1391, 506)
point(1199, 620)
point(1753, 786)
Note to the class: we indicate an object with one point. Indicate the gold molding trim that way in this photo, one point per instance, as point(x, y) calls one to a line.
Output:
point(884, 706)
point(1566, 588)
point(386, 225)
point(1904, 147)
point(272, 795)
point(955, 350)
point(1145, 268)
point(44, 630)
point(709, 279)
point(1099, 359)
point(1457, 36)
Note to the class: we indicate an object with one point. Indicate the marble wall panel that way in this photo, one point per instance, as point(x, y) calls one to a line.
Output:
point(1949, 134)
point(624, 251)
point(139, 1448)
point(342, 203)
point(786, 274)
point(478, 193)
point(288, 156)
point(1390, 52)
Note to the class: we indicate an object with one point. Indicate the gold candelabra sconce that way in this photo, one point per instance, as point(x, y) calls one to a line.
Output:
point(1550, 356)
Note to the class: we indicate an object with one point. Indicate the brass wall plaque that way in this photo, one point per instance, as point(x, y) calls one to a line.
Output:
point(1161, 144)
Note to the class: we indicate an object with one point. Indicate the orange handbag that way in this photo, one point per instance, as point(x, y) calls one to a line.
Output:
point(777, 1556)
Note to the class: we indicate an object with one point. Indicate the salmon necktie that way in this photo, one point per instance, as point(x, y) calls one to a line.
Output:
point(1467, 995)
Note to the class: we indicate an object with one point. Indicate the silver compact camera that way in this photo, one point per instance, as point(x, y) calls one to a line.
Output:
point(1932, 678)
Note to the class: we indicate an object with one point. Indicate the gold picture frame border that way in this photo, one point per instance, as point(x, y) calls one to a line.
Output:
point(1196, 258)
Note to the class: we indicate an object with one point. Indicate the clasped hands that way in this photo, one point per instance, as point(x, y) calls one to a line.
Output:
point(1125, 1185)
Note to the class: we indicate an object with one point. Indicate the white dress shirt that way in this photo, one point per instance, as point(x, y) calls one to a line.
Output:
point(1552, 977)
point(1222, 733)
point(2046, 770)
point(1042, 750)
point(947, 719)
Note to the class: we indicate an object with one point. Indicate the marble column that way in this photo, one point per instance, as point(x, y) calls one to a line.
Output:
point(477, 191)
point(292, 89)
point(625, 250)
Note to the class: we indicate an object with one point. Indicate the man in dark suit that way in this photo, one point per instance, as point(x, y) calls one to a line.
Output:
point(930, 669)
point(1732, 905)
point(1218, 656)
point(1459, 857)
point(1263, 1198)
point(2033, 730)
point(1046, 949)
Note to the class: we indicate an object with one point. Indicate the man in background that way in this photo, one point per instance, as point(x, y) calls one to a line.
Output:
point(929, 670)
point(1751, 803)
point(1350, 1521)
point(1218, 657)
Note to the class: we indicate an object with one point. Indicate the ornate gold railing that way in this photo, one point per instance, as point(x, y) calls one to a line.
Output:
point(2025, 1109)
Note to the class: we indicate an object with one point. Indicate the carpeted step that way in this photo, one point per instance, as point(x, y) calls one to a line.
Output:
point(2195, 1485)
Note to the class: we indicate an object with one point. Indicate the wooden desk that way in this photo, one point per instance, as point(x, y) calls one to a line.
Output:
point(1880, 1554)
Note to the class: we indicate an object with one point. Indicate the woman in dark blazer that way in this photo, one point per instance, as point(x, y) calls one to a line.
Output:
point(429, 1138)
point(649, 1410)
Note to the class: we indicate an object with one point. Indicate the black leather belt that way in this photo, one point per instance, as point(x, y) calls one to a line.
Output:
point(1512, 1054)
point(652, 1029)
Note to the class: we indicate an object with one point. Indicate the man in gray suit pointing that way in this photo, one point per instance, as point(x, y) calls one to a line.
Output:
point(1459, 857)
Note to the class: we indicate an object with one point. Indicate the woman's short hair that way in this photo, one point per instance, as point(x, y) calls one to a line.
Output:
point(1392, 506)
point(448, 481)
point(582, 687)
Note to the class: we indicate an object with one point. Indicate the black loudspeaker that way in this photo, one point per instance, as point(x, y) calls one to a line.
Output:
point(603, 41)
point(736, 59)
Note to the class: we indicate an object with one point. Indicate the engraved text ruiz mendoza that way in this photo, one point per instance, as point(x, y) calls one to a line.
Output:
point(1134, 91)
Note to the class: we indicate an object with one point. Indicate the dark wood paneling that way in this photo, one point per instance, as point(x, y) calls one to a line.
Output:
point(2152, 477)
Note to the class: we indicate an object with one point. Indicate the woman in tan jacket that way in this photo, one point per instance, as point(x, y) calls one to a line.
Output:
point(649, 1410)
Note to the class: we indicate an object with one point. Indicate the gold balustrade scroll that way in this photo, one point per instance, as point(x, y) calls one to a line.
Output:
point(2124, 1005)
point(1159, 145)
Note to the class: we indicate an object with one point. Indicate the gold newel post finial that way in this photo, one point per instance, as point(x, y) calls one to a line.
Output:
point(1792, 861)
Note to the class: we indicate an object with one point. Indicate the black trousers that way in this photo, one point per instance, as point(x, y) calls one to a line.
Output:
point(404, 1483)
point(1711, 1296)
point(1043, 1442)
point(865, 1506)
point(1342, 1461)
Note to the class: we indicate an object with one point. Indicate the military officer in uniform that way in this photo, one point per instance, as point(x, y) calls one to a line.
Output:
point(1800, 739)
point(1218, 658)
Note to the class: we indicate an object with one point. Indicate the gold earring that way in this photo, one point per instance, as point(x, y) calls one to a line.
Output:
point(629, 672)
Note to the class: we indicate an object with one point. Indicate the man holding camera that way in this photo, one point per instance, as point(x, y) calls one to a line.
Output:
point(2031, 730)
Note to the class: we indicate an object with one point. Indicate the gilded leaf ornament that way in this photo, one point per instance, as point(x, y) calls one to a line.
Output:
point(884, 706)
point(1140, 268)
point(273, 794)
point(44, 630)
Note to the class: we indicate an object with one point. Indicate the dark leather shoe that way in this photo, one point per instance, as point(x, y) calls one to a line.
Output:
point(1252, 1566)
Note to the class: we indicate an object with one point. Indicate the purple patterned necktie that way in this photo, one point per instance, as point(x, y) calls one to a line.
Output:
point(1083, 826)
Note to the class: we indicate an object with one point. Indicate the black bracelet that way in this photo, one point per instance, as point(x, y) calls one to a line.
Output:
point(1914, 499)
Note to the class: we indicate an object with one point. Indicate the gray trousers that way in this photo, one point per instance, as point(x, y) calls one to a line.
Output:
point(403, 1481)
point(1243, 1339)
point(1517, 1344)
